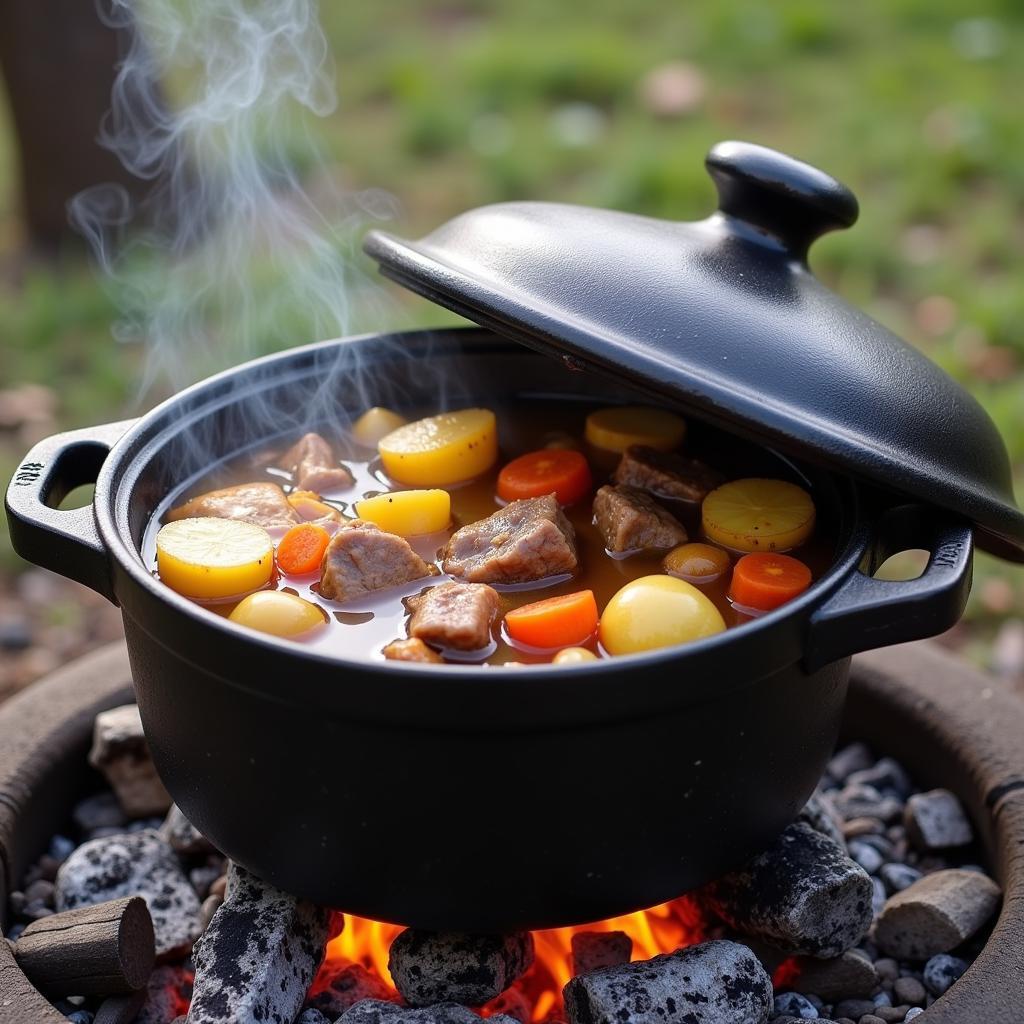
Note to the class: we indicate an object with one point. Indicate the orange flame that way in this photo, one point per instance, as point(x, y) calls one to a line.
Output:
point(661, 929)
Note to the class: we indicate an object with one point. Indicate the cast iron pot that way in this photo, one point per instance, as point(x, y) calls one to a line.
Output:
point(462, 797)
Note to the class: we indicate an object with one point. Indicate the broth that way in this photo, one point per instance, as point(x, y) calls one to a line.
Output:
point(363, 626)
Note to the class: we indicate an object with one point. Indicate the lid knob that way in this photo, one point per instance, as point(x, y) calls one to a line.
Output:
point(779, 195)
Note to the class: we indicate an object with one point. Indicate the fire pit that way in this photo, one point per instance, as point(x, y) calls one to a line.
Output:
point(943, 721)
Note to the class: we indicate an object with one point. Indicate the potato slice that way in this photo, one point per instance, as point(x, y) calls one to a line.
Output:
point(619, 426)
point(210, 558)
point(441, 450)
point(376, 423)
point(408, 513)
point(758, 515)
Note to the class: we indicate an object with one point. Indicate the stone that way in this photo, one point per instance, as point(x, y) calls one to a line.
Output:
point(312, 1016)
point(120, 751)
point(913, 1013)
point(941, 971)
point(936, 914)
point(849, 976)
point(887, 776)
point(853, 1008)
point(853, 758)
point(183, 835)
point(207, 909)
point(897, 877)
point(167, 995)
point(718, 982)
point(259, 955)
point(908, 990)
point(99, 811)
point(871, 1018)
point(204, 877)
point(592, 951)
point(865, 855)
point(803, 894)
point(459, 967)
point(792, 1004)
point(134, 864)
point(888, 969)
point(862, 827)
point(340, 986)
point(821, 816)
point(878, 896)
point(376, 1011)
point(936, 821)
point(860, 801)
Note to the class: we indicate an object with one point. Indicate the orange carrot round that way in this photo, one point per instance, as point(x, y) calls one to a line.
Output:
point(560, 470)
point(301, 549)
point(556, 622)
point(765, 580)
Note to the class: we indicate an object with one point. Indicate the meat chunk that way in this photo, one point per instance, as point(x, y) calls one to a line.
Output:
point(631, 520)
point(362, 558)
point(411, 650)
point(264, 504)
point(666, 474)
point(313, 466)
point(526, 540)
point(457, 615)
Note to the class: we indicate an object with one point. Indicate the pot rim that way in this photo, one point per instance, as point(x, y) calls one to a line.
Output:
point(140, 441)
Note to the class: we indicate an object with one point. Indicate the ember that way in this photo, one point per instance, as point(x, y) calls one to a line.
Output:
point(658, 930)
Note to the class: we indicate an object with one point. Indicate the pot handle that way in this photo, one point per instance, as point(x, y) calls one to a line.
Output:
point(865, 613)
point(64, 540)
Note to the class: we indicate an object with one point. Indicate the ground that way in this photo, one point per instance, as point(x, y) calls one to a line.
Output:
point(443, 106)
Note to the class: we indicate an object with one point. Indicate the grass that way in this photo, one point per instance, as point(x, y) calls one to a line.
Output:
point(447, 105)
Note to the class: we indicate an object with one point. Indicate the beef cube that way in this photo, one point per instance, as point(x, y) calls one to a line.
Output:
point(362, 558)
point(666, 474)
point(264, 504)
point(313, 466)
point(631, 520)
point(411, 650)
point(526, 540)
point(457, 615)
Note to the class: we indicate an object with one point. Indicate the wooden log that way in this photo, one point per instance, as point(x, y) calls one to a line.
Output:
point(102, 950)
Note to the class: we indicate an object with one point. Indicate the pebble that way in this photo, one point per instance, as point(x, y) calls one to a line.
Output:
point(913, 1012)
point(15, 634)
point(887, 776)
point(377, 1011)
point(936, 914)
point(99, 811)
point(202, 878)
point(716, 982)
point(136, 864)
point(936, 821)
point(862, 827)
point(909, 990)
point(897, 877)
point(848, 976)
point(858, 801)
point(888, 969)
point(209, 907)
point(120, 751)
point(871, 1018)
point(793, 1004)
point(865, 855)
point(820, 815)
point(438, 967)
point(61, 848)
point(182, 834)
point(892, 1014)
point(878, 896)
point(312, 1016)
point(941, 971)
point(853, 1008)
point(855, 757)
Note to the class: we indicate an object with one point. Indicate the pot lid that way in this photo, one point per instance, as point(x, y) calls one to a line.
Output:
point(725, 317)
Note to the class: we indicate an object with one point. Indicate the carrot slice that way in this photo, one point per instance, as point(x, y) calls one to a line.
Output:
point(765, 580)
point(559, 470)
point(556, 622)
point(302, 548)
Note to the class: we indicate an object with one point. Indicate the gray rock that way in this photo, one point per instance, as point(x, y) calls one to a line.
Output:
point(936, 821)
point(878, 896)
point(592, 951)
point(909, 990)
point(341, 986)
point(853, 758)
point(853, 1008)
point(120, 751)
point(941, 971)
point(716, 982)
point(897, 877)
point(167, 995)
point(858, 801)
point(312, 1016)
point(134, 864)
point(259, 955)
point(862, 827)
point(850, 976)
point(865, 855)
point(871, 1018)
point(936, 914)
point(459, 967)
point(821, 816)
point(182, 834)
point(792, 1004)
point(803, 894)
point(375, 1011)
point(887, 776)
point(99, 811)
point(203, 877)
point(913, 1013)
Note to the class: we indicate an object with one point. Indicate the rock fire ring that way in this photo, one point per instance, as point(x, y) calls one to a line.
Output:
point(949, 724)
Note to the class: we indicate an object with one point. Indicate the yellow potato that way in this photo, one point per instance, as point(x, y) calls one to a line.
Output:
point(657, 611)
point(211, 558)
point(441, 450)
point(311, 509)
point(278, 613)
point(573, 656)
point(408, 513)
point(696, 562)
point(758, 515)
point(619, 426)
point(376, 423)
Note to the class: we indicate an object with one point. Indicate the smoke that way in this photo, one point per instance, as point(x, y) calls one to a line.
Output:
point(228, 255)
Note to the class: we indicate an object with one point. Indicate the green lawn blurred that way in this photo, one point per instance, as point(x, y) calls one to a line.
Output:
point(916, 104)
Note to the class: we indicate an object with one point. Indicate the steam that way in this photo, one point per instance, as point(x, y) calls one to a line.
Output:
point(228, 255)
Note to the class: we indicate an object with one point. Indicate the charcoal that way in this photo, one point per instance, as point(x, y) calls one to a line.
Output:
point(341, 986)
point(376, 1011)
point(803, 894)
point(167, 995)
point(439, 967)
point(258, 956)
point(592, 951)
point(936, 914)
point(182, 834)
point(936, 821)
point(312, 1016)
point(843, 977)
point(717, 982)
point(120, 751)
point(134, 864)
point(819, 813)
